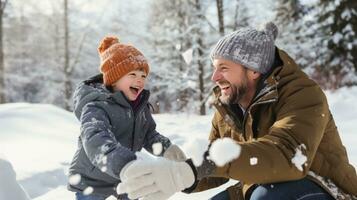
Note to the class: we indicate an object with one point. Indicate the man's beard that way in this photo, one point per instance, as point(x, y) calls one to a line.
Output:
point(238, 92)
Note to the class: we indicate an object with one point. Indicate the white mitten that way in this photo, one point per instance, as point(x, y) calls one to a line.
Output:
point(175, 153)
point(155, 178)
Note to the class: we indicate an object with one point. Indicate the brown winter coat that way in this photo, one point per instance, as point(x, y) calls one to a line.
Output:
point(289, 113)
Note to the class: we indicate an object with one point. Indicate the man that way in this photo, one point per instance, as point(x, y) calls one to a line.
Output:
point(278, 116)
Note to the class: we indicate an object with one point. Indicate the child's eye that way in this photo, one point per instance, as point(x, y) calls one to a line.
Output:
point(143, 76)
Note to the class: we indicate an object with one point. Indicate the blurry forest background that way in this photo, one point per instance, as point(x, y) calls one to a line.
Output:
point(48, 46)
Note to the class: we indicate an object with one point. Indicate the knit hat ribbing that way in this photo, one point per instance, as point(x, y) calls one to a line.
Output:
point(251, 48)
point(118, 59)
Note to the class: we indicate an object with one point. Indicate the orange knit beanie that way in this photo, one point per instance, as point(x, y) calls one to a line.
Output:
point(119, 59)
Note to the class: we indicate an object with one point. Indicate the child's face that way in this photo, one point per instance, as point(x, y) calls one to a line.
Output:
point(131, 84)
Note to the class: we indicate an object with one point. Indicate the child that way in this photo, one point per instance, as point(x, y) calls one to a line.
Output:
point(115, 121)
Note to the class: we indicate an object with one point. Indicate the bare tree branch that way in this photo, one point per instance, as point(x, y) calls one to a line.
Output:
point(3, 5)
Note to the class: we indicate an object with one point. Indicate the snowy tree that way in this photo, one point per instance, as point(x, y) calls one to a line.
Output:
point(241, 19)
point(2, 79)
point(338, 27)
point(36, 70)
point(294, 36)
point(179, 31)
point(66, 67)
point(320, 36)
point(220, 15)
point(29, 64)
point(201, 56)
point(328, 38)
point(183, 27)
point(170, 28)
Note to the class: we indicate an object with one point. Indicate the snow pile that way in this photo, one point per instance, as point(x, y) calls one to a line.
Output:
point(299, 159)
point(9, 183)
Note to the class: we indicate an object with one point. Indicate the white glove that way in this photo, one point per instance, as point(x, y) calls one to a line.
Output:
point(155, 178)
point(174, 153)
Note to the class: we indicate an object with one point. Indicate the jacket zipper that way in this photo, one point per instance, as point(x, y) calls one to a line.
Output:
point(135, 116)
point(254, 103)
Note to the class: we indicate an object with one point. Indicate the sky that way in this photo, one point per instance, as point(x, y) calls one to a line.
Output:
point(39, 141)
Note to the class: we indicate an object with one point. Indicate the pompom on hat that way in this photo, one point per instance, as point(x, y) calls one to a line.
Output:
point(252, 48)
point(118, 59)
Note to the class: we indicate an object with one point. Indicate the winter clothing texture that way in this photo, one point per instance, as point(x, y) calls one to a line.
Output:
point(118, 59)
point(111, 132)
point(289, 114)
point(251, 48)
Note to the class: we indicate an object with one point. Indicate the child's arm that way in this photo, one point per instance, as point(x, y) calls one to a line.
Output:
point(152, 136)
point(100, 144)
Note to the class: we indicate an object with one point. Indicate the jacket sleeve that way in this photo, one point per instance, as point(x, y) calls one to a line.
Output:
point(152, 136)
point(99, 142)
point(301, 117)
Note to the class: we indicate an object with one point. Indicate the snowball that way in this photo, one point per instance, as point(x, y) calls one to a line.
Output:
point(157, 148)
point(103, 169)
point(195, 149)
point(223, 151)
point(88, 191)
point(74, 179)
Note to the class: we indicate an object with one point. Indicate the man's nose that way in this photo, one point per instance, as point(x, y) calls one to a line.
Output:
point(216, 76)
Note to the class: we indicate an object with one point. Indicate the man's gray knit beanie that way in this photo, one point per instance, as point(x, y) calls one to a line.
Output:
point(251, 48)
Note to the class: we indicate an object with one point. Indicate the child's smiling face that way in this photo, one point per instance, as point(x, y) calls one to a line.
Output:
point(131, 84)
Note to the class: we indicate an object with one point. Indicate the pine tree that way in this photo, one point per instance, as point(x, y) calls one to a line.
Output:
point(337, 30)
point(293, 36)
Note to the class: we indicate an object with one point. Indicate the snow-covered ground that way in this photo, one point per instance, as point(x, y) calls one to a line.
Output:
point(39, 141)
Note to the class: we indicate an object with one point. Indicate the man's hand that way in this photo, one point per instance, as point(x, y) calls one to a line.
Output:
point(155, 178)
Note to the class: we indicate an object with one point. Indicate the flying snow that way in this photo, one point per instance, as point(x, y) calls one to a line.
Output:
point(187, 56)
point(253, 161)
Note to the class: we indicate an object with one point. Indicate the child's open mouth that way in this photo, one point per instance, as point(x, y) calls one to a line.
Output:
point(134, 90)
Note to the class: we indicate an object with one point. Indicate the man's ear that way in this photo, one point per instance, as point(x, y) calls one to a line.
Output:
point(253, 75)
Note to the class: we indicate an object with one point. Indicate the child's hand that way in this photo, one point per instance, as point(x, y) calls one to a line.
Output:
point(155, 178)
